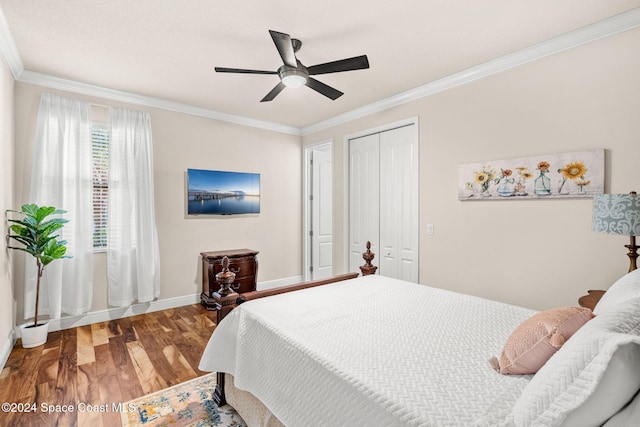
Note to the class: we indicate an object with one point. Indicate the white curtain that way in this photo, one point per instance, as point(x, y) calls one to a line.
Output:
point(61, 177)
point(133, 259)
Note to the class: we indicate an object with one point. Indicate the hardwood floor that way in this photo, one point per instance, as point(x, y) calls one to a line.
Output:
point(98, 366)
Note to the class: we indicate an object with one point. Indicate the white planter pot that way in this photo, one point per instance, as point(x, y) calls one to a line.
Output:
point(34, 336)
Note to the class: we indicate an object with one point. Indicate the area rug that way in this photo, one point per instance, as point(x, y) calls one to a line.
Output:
point(186, 404)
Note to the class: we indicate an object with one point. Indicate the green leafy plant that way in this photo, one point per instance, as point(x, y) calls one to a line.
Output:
point(36, 232)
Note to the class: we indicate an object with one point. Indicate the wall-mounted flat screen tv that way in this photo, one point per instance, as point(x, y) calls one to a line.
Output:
point(222, 193)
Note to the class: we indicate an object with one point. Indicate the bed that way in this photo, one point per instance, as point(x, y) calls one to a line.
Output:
point(376, 351)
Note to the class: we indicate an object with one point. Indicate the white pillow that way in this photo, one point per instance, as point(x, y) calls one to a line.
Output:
point(625, 288)
point(628, 416)
point(619, 383)
point(606, 350)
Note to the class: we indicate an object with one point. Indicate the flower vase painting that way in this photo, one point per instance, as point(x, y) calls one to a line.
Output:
point(576, 174)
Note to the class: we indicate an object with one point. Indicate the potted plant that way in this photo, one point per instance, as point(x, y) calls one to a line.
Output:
point(36, 232)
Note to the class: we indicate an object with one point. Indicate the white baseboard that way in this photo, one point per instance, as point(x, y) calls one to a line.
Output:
point(6, 350)
point(121, 312)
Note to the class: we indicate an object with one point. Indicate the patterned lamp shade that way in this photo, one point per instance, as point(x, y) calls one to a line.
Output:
point(617, 214)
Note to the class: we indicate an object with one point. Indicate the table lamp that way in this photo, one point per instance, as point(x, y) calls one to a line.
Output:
point(619, 214)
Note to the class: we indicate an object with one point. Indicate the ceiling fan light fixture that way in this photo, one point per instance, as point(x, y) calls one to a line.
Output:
point(294, 74)
point(293, 78)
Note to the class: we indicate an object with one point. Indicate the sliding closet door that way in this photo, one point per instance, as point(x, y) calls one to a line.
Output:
point(399, 204)
point(364, 193)
point(383, 201)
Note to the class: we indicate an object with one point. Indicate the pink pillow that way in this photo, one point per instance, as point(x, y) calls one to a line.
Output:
point(538, 338)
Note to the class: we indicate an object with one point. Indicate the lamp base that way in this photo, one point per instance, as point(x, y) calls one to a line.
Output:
point(633, 253)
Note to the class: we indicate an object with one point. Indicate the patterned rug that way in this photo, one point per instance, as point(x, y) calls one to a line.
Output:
point(186, 404)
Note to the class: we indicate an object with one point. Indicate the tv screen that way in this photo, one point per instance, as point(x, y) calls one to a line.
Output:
point(222, 193)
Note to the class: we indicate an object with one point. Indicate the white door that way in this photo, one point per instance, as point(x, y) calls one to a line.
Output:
point(364, 197)
point(383, 200)
point(321, 200)
point(399, 204)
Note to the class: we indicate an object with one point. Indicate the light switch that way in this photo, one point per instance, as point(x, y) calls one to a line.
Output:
point(430, 229)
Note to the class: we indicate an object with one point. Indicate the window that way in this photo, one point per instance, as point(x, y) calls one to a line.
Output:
point(100, 160)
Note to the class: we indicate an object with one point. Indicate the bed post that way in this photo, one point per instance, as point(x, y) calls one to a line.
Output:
point(368, 256)
point(218, 393)
point(225, 297)
point(224, 300)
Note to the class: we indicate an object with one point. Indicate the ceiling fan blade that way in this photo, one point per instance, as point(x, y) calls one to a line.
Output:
point(322, 88)
point(349, 64)
point(285, 48)
point(242, 71)
point(274, 92)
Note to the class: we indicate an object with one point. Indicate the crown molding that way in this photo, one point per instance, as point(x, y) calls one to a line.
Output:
point(611, 26)
point(49, 81)
point(9, 51)
point(8, 48)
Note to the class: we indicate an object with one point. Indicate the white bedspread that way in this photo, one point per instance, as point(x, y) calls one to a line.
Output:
point(371, 351)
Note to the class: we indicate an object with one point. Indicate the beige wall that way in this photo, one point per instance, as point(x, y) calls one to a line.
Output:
point(6, 202)
point(183, 141)
point(535, 253)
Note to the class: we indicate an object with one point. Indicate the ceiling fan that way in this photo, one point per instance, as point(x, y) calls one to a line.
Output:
point(294, 74)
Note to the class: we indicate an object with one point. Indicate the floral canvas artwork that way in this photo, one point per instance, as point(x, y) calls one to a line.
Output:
point(577, 174)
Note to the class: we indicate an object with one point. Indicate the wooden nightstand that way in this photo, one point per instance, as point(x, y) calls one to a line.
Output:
point(591, 299)
point(242, 262)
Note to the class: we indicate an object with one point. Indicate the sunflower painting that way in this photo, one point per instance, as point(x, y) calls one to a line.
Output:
point(576, 174)
point(573, 171)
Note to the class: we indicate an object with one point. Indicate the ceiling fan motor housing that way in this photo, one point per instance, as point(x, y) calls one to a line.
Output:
point(293, 76)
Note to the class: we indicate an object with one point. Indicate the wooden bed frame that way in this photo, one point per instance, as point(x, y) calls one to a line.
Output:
point(226, 299)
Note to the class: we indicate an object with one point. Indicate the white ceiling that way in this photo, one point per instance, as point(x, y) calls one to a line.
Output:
point(167, 49)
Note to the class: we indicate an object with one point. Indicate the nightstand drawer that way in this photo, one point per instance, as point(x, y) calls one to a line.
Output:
point(243, 268)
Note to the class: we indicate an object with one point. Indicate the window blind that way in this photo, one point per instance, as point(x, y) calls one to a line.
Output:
point(100, 155)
